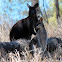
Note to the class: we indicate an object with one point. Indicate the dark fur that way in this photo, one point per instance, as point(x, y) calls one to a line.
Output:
point(25, 27)
point(51, 46)
point(11, 47)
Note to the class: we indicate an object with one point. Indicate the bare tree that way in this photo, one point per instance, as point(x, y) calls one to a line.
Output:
point(57, 11)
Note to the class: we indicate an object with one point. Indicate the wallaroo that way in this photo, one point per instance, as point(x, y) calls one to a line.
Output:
point(25, 27)
point(41, 40)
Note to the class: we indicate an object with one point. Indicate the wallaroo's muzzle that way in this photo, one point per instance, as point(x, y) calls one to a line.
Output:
point(38, 27)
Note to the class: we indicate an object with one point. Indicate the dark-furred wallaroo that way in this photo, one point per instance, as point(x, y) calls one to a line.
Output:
point(25, 28)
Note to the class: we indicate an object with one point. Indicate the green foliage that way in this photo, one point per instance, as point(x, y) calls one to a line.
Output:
point(52, 20)
point(60, 1)
point(52, 12)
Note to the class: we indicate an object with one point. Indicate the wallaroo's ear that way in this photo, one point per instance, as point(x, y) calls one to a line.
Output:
point(41, 19)
point(36, 5)
point(28, 5)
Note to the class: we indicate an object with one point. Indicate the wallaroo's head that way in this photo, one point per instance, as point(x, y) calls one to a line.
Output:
point(39, 24)
point(32, 10)
point(40, 21)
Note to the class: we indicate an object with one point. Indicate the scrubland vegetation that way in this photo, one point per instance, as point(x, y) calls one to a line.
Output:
point(11, 57)
point(53, 30)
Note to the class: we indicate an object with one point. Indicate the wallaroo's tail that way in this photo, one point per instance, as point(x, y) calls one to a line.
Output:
point(10, 46)
point(18, 45)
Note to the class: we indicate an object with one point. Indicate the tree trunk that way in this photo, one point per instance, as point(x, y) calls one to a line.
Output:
point(57, 11)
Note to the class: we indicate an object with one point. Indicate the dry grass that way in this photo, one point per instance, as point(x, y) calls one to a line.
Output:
point(54, 30)
point(10, 57)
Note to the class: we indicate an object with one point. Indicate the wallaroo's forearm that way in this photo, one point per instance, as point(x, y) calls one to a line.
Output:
point(42, 36)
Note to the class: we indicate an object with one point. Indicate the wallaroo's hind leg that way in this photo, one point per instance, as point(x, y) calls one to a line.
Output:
point(32, 42)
